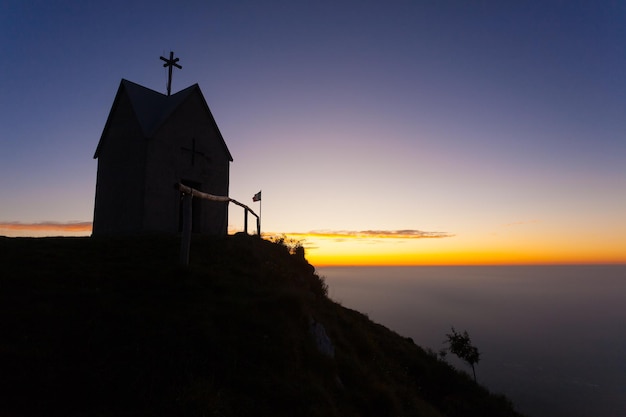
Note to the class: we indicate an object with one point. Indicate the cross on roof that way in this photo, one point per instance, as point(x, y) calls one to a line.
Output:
point(172, 62)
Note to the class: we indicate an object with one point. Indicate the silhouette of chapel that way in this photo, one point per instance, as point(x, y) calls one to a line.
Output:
point(150, 142)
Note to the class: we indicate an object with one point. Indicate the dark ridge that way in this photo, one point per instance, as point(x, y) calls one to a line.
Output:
point(114, 327)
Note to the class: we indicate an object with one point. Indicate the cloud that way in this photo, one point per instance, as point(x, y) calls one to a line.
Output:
point(372, 234)
point(45, 227)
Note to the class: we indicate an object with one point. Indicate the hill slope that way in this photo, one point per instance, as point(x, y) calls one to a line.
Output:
point(113, 327)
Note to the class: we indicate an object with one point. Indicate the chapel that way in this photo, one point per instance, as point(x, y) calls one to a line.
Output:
point(151, 142)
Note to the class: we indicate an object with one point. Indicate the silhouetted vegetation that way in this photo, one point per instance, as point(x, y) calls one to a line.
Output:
point(113, 327)
point(461, 345)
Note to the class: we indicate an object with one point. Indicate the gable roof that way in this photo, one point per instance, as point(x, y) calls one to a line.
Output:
point(152, 109)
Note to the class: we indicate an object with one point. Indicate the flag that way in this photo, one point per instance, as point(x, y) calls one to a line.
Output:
point(257, 197)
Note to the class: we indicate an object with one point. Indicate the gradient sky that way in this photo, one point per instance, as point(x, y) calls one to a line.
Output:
point(405, 132)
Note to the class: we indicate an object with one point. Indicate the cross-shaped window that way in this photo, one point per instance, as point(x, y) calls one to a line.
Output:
point(193, 151)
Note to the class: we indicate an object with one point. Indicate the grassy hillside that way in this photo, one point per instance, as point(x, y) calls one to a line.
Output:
point(113, 327)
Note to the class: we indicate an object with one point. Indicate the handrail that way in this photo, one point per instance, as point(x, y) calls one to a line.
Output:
point(188, 193)
point(195, 193)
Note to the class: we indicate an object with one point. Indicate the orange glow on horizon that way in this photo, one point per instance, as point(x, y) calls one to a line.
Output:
point(41, 229)
point(322, 250)
point(452, 260)
point(402, 247)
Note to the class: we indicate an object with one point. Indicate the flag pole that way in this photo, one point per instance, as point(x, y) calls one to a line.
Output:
point(255, 198)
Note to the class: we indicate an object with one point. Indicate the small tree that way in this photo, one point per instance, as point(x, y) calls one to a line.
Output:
point(461, 345)
point(294, 246)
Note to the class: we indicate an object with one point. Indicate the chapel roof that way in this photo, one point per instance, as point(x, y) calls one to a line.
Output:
point(152, 109)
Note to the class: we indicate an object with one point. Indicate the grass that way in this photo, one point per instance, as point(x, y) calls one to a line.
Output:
point(114, 327)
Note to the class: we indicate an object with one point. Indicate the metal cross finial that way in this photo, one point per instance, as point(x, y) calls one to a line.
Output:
point(172, 62)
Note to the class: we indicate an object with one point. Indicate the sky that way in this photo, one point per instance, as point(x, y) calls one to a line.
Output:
point(395, 132)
